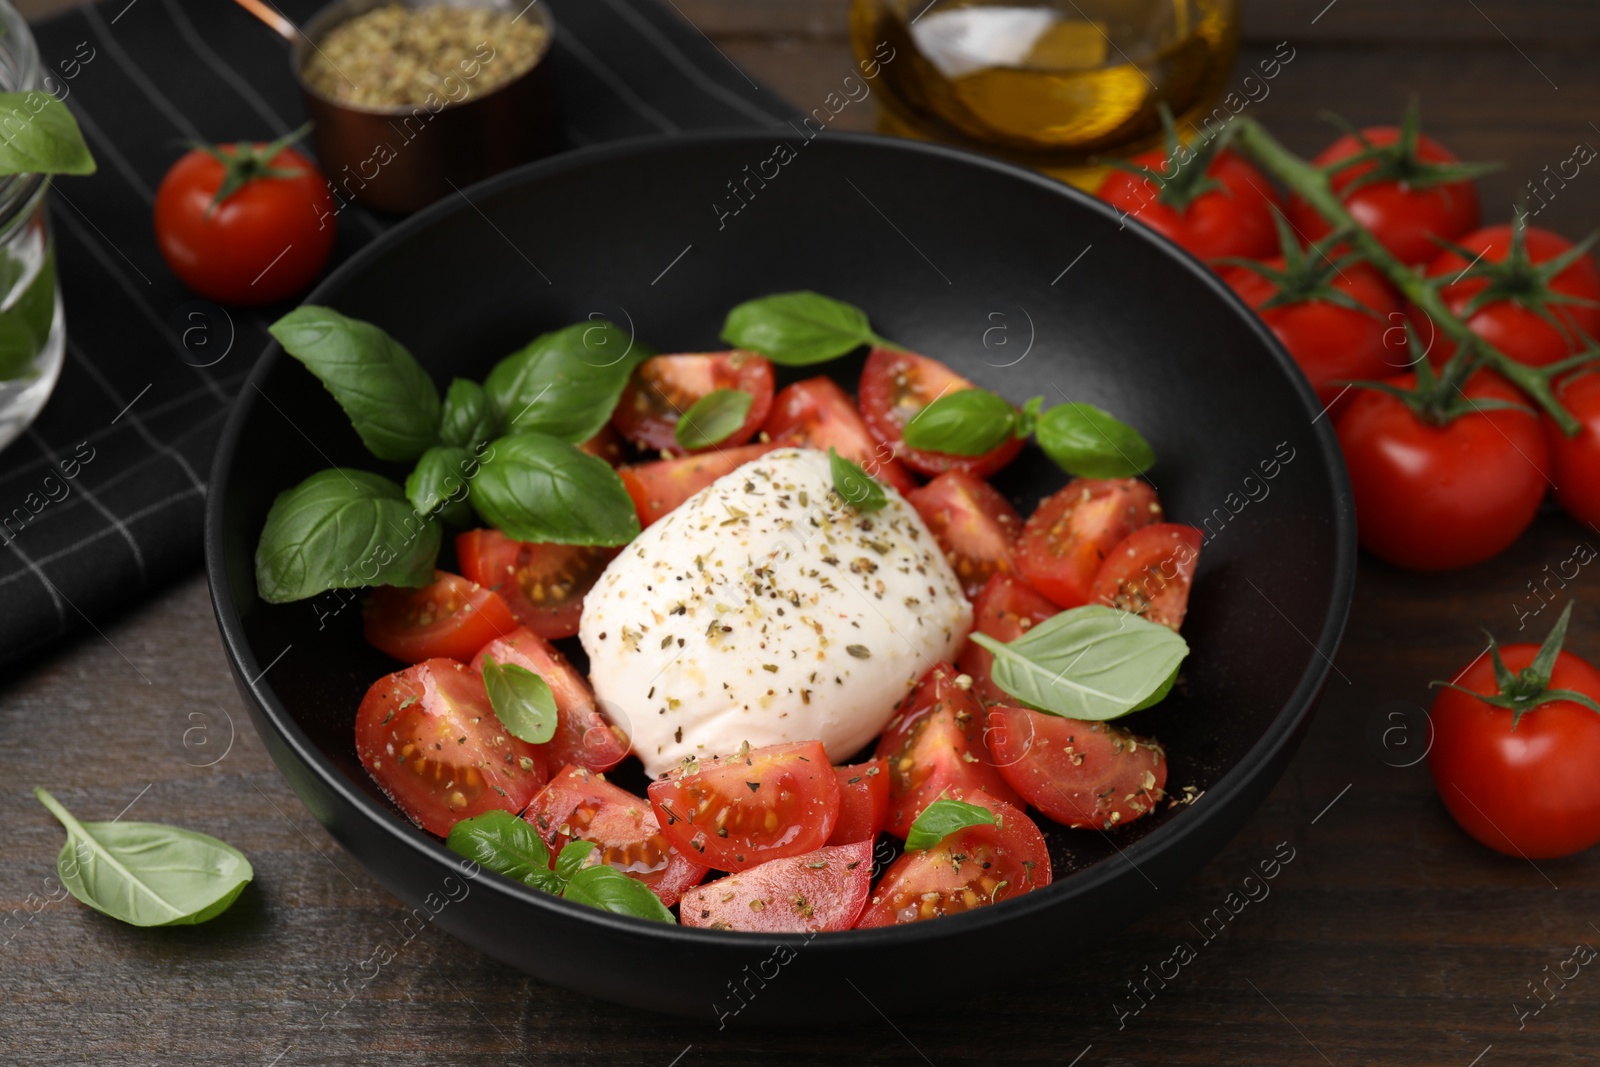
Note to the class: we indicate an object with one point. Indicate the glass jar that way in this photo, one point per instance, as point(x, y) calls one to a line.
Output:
point(32, 329)
point(1052, 84)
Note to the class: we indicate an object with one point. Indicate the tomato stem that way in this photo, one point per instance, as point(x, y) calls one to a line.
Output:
point(1313, 186)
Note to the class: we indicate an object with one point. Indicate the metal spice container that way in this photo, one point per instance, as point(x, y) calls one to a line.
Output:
point(475, 120)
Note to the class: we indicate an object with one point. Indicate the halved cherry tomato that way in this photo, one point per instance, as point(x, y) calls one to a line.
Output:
point(1006, 609)
point(1083, 774)
point(1068, 536)
point(822, 890)
point(756, 805)
point(429, 738)
point(664, 387)
point(816, 413)
point(976, 526)
point(1149, 573)
point(935, 749)
point(583, 735)
point(971, 868)
point(579, 804)
point(895, 387)
point(543, 585)
point(657, 488)
point(863, 802)
point(607, 445)
point(451, 618)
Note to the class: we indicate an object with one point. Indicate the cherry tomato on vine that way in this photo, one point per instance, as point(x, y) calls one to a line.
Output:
point(1575, 461)
point(245, 223)
point(1211, 202)
point(1448, 487)
point(1531, 293)
point(1401, 184)
point(1516, 763)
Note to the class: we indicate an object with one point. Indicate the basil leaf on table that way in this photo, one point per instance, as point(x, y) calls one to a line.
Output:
point(565, 384)
point(438, 484)
point(1085, 441)
point(147, 874)
point(797, 329)
point(505, 844)
point(944, 817)
point(521, 700)
point(41, 136)
point(858, 488)
point(533, 487)
point(572, 857)
point(604, 887)
point(713, 418)
point(1092, 662)
point(968, 422)
point(343, 529)
point(467, 418)
point(389, 398)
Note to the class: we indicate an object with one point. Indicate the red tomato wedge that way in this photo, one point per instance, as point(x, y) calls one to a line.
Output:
point(895, 387)
point(976, 526)
point(659, 487)
point(1066, 539)
point(1150, 573)
point(822, 890)
point(1081, 774)
point(429, 738)
point(971, 868)
point(543, 585)
point(607, 445)
point(664, 387)
point(935, 748)
point(451, 618)
point(1005, 610)
point(816, 413)
point(583, 734)
point(745, 809)
point(863, 802)
point(579, 804)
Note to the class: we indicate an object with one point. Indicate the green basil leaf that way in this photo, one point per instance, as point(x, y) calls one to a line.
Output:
point(532, 487)
point(858, 488)
point(942, 818)
point(1029, 419)
point(566, 383)
point(501, 842)
point(1092, 662)
point(1090, 443)
point(439, 485)
point(25, 326)
point(41, 136)
point(572, 857)
point(713, 418)
point(968, 422)
point(343, 529)
point(389, 398)
point(796, 329)
point(145, 873)
point(521, 700)
point(604, 887)
point(1161, 692)
point(467, 418)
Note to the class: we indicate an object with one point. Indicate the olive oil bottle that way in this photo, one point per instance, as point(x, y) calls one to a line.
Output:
point(1051, 84)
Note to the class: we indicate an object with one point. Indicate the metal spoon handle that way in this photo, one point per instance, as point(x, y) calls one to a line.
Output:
point(263, 10)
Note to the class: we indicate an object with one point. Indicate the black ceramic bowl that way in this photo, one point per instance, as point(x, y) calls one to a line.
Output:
point(1023, 285)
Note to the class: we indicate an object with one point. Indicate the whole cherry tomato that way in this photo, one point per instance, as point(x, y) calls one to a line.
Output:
point(1449, 488)
point(1575, 461)
point(1531, 293)
point(1516, 765)
point(245, 223)
point(1408, 190)
point(1211, 201)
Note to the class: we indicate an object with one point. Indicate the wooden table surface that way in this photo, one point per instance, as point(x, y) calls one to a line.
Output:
point(1390, 938)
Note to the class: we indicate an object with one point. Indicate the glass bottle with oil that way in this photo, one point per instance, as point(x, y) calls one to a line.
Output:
point(1050, 84)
